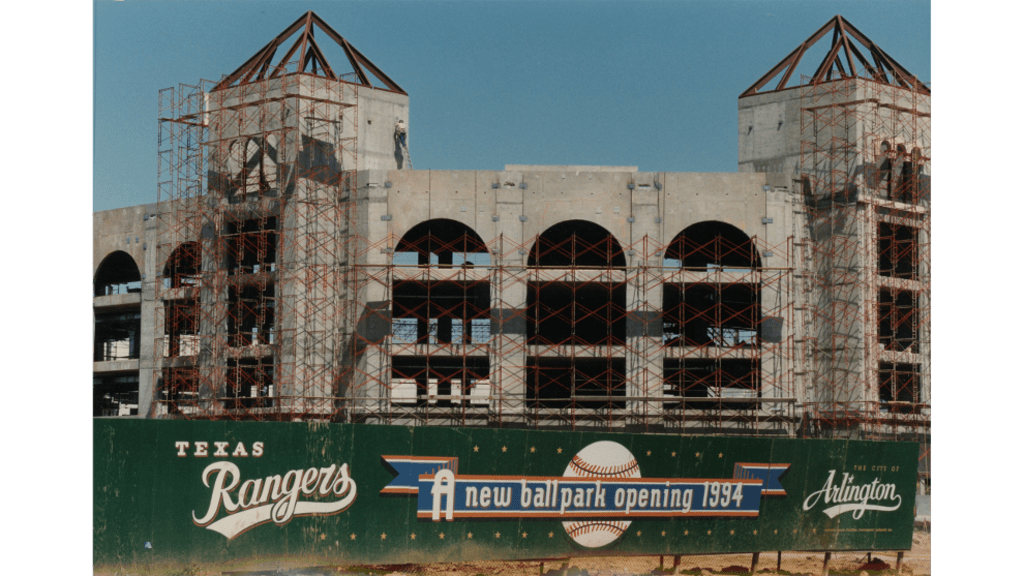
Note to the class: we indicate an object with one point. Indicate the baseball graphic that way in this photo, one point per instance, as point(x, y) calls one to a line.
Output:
point(605, 460)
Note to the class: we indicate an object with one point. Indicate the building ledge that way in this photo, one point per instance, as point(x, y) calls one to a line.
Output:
point(118, 300)
point(115, 366)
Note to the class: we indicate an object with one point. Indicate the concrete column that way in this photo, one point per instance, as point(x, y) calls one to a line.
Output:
point(508, 342)
point(149, 355)
point(508, 303)
point(371, 291)
point(644, 357)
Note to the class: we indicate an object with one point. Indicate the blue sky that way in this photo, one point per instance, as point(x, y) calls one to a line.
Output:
point(651, 84)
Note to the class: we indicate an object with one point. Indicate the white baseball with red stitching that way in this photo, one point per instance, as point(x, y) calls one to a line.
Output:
point(603, 460)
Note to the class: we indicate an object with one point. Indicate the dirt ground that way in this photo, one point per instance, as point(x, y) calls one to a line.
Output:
point(916, 562)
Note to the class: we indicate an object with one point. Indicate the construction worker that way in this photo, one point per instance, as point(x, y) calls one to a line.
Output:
point(400, 132)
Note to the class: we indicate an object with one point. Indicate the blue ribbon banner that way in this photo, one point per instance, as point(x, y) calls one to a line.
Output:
point(442, 493)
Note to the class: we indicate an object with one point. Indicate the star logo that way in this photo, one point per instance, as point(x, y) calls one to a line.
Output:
point(673, 454)
point(441, 535)
point(698, 454)
point(352, 537)
point(551, 534)
point(732, 532)
point(637, 532)
point(663, 533)
point(686, 532)
point(504, 449)
point(559, 450)
point(532, 449)
point(476, 448)
point(524, 534)
point(709, 532)
point(383, 536)
point(497, 534)
point(413, 535)
point(719, 454)
point(755, 532)
point(648, 452)
point(470, 535)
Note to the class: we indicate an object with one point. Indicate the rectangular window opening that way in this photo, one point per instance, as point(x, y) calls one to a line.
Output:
point(727, 381)
point(455, 313)
point(115, 395)
point(439, 381)
point(897, 320)
point(898, 251)
point(576, 313)
point(591, 383)
point(251, 245)
point(899, 388)
point(723, 315)
point(250, 384)
point(117, 336)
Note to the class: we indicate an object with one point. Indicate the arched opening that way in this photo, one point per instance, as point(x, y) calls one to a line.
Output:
point(577, 243)
point(584, 311)
point(712, 244)
point(908, 187)
point(117, 274)
point(183, 265)
point(442, 242)
point(452, 313)
point(719, 308)
point(885, 169)
point(252, 168)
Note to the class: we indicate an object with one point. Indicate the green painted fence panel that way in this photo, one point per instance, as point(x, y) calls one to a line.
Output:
point(178, 491)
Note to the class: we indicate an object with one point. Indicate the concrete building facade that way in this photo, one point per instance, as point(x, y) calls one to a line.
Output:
point(296, 267)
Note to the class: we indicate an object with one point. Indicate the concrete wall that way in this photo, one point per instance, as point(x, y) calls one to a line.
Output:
point(379, 110)
point(545, 198)
point(134, 231)
point(769, 132)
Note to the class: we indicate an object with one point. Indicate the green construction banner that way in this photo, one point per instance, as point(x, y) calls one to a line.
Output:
point(178, 491)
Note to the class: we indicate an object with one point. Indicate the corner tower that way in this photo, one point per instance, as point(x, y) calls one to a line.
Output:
point(256, 284)
point(856, 136)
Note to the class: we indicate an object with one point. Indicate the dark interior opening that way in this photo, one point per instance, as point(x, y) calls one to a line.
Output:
point(711, 315)
point(897, 319)
point(561, 382)
point(728, 381)
point(438, 376)
point(577, 313)
point(441, 312)
point(712, 244)
point(251, 245)
point(117, 336)
point(250, 383)
point(115, 395)
point(897, 251)
point(117, 274)
point(251, 311)
point(442, 242)
point(181, 328)
point(899, 387)
point(577, 243)
point(179, 390)
point(182, 268)
point(906, 189)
